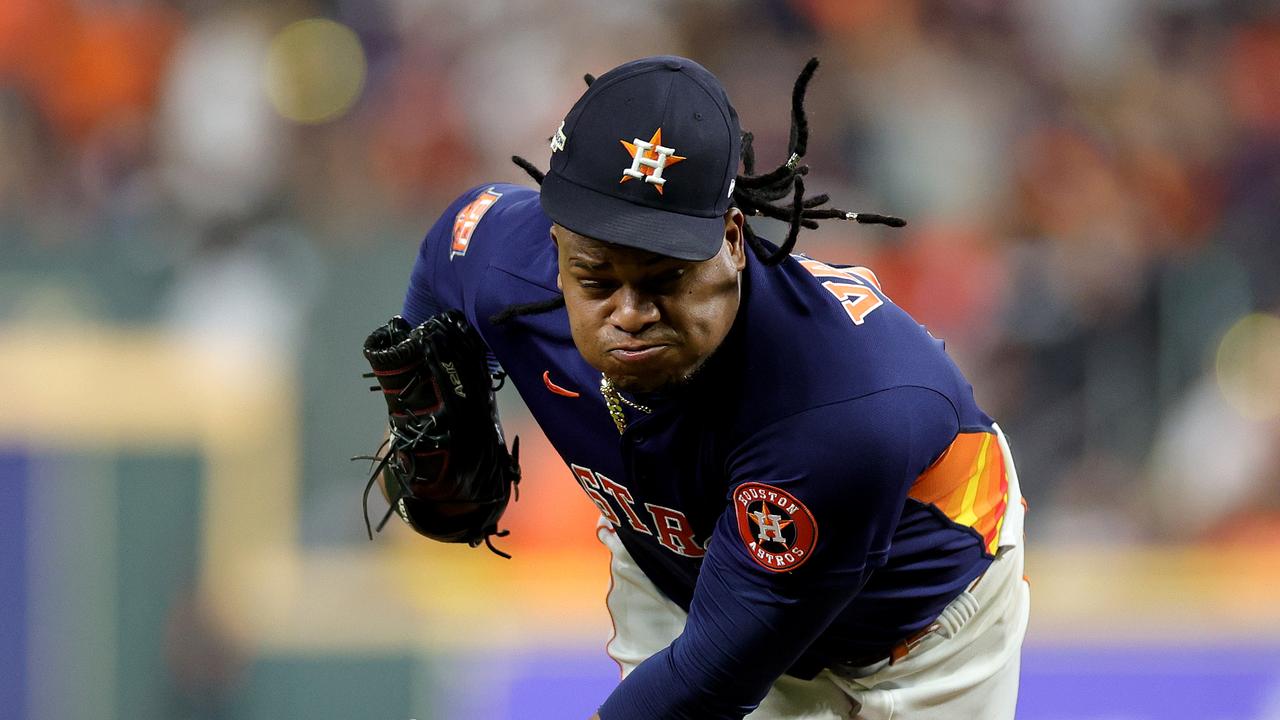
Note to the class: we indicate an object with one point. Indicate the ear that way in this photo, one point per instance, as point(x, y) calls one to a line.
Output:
point(556, 241)
point(735, 238)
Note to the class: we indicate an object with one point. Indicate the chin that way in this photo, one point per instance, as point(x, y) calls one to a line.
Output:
point(629, 380)
point(632, 383)
point(634, 379)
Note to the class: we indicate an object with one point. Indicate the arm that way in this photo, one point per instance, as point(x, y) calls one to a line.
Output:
point(851, 465)
point(434, 369)
point(443, 277)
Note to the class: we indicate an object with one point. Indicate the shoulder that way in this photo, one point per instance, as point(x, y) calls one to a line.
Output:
point(491, 209)
point(489, 228)
point(496, 226)
point(817, 334)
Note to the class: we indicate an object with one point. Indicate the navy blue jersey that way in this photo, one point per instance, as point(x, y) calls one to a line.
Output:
point(819, 490)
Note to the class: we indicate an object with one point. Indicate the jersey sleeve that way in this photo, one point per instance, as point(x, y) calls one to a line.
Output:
point(814, 503)
point(455, 254)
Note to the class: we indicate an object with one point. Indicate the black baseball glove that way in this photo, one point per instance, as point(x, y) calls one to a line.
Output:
point(444, 468)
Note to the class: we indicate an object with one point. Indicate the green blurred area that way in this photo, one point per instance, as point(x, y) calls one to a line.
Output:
point(119, 629)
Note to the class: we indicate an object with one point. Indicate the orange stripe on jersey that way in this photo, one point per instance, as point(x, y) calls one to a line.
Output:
point(968, 484)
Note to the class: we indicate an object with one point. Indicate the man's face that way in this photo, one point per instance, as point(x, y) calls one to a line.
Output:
point(647, 320)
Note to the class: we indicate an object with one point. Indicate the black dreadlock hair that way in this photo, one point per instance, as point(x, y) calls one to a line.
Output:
point(755, 195)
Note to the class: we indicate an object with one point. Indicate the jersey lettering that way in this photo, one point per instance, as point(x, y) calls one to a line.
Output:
point(464, 224)
point(673, 531)
point(591, 486)
point(855, 288)
point(625, 501)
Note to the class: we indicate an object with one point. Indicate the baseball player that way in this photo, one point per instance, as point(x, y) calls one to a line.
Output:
point(808, 514)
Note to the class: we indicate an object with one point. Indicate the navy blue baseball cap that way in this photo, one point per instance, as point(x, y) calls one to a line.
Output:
point(647, 158)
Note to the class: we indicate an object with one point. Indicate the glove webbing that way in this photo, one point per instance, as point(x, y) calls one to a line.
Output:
point(380, 461)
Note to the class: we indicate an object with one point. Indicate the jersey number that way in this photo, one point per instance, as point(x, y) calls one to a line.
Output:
point(854, 287)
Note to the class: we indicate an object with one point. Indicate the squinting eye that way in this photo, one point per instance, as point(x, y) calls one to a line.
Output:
point(666, 281)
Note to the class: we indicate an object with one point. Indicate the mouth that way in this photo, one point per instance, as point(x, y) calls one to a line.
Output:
point(634, 354)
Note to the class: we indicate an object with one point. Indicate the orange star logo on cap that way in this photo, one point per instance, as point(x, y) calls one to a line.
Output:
point(649, 160)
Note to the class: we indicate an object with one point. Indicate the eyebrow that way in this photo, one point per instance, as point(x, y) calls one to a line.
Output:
point(587, 264)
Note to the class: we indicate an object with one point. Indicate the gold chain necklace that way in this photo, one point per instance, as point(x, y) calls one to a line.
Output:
point(614, 401)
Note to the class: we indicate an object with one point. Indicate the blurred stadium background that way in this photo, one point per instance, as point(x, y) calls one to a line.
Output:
point(205, 205)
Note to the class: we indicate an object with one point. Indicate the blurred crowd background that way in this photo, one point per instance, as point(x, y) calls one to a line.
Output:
point(1093, 192)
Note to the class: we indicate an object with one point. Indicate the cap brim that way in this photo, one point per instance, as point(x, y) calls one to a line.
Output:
point(617, 221)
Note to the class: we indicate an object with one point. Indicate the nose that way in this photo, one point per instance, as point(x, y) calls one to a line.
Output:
point(633, 311)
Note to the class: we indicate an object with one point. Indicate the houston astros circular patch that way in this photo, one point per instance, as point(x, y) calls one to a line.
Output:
point(778, 529)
